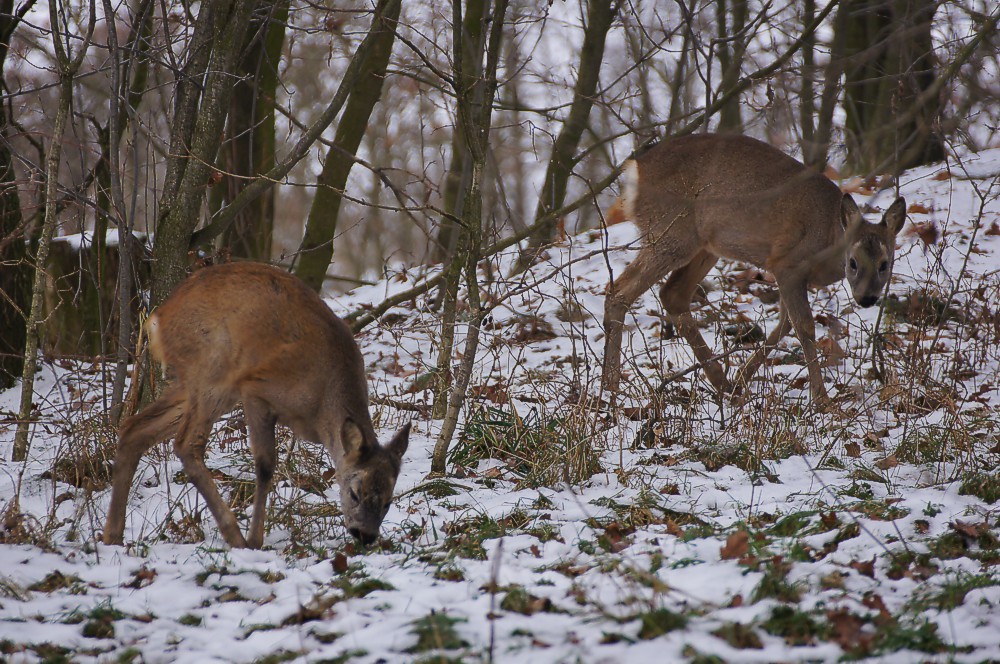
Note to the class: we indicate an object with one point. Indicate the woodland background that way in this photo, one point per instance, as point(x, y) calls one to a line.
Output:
point(347, 143)
point(444, 174)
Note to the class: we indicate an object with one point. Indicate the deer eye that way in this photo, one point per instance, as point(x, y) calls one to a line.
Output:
point(385, 508)
point(853, 264)
point(883, 266)
point(353, 495)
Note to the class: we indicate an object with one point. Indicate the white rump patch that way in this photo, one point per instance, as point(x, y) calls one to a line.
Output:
point(152, 329)
point(630, 190)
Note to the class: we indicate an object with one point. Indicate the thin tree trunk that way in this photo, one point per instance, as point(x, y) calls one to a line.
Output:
point(137, 68)
point(637, 53)
point(731, 47)
point(251, 131)
point(316, 251)
point(807, 93)
point(892, 63)
point(15, 272)
point(202, 118)
point(457, 178)
point(67, 67)
point(600, 15)
point(129, 82)
point(816, 152)
point(468, 47)
point(677, 84)
point(475, 113)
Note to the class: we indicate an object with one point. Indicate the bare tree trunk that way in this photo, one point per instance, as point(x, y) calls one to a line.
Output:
point(468, 64)
point(475, 114)
point(677, 84)
point(196, 133)
point(250, 143)
point(129, 83)
point(731, 45)
point(637, 38)
point(67, 67)
point(600, 15)
point(316, 251)
point(807, 93)
point(816, 150)
point(261, 185)
point(456, 180)
point(892, 63)
point(15, 272)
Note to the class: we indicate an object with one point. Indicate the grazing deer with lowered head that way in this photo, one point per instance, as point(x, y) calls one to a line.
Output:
point(701, 197)
point(253, 333)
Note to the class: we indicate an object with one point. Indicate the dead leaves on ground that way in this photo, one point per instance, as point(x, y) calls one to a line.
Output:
point(736, 547)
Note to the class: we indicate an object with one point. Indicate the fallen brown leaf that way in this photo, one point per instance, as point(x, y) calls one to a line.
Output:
point(887, 463)
point(847, 631)
point(866, 568)
point(143, 577)
point(971, 530)
point(737, 545)
point(874, 601)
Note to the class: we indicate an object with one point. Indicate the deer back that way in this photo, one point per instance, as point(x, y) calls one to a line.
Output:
point(237, 324)
point(737, 197)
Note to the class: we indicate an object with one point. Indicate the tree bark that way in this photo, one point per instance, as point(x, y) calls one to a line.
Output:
point(67, 67)
point(129, 81)
point(250, 137)
point(260, 185)
point(196, 133)
point(15, 272)
point(731, 45)
point(456, 180)
point(807, 93)
point(891, 63)
point(600, 15)
point(475, 114)
point(816, 148)
point(316, 251)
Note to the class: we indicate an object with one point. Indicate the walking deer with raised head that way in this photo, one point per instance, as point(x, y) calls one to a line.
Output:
point(251, 333)
point(699, 198)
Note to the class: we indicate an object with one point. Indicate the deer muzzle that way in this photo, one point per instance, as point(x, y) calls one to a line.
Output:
point(363, 537)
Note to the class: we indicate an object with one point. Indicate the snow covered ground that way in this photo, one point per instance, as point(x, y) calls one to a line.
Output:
point(690, 531)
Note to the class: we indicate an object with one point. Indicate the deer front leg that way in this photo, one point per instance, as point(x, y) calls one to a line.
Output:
point(676, 296)
point(260, 424)
point(747, 371)
point(637, 278)
point(614, 322)
point(795, 301)
point(137, 434)
point(190, 448)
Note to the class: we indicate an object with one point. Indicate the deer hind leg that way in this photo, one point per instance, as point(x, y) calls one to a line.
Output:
point(676, 296)
point(158, 422)
point(190, 448)
point(795, 301)
point(638, 277)
point(260, 424)
point(747, 371)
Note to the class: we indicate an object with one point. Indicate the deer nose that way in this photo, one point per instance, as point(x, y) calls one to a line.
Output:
point(365, 538)
point(868, 300)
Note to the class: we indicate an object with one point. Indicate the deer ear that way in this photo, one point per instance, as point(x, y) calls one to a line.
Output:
point(895, 216)
point(397, 446)
point(850, 215)
point(352, 440)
